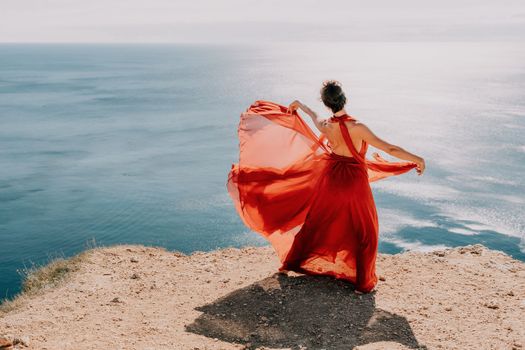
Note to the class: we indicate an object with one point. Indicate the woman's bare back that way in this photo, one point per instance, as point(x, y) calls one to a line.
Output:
point(332, 131)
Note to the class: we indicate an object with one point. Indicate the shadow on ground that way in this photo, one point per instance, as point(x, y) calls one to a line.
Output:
point(312, 312)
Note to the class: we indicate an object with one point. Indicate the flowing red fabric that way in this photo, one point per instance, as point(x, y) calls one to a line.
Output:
point(315, 207)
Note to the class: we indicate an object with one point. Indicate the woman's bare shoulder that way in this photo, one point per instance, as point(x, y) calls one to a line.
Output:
point(351, 124)
point(357, 125)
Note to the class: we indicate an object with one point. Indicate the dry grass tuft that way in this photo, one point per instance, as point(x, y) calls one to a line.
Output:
point(39, 278)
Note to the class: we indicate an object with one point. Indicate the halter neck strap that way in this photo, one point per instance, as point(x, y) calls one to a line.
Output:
point(346, 136)
point(344, 117)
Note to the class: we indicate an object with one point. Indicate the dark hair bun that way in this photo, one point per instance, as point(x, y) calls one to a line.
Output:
point(333, 96)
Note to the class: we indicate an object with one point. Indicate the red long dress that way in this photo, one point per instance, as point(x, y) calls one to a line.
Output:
point(315, 207)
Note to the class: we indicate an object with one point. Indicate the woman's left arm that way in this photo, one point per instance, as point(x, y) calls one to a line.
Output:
point(320, 124)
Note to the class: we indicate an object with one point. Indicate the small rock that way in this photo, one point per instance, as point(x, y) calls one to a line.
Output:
point(22, 340)
point(116, 300)
point(382, 278)
point(134, 276)
point(491, 305)
point(133, 260)
point(476, 249)
point(448, 308)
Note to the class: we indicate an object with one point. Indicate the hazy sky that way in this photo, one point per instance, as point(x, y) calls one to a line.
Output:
point(249, 20)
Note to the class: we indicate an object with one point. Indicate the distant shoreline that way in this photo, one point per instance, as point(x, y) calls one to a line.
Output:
point(138, 297)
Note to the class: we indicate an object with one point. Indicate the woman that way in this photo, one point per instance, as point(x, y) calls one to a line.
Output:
point(310, 199)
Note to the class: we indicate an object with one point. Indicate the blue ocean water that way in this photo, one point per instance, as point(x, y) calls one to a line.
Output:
point(133, 143)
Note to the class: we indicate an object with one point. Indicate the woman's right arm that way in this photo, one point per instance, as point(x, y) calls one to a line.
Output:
point(363, 132)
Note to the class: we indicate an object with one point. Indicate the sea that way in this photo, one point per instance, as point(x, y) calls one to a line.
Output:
point(103, 144)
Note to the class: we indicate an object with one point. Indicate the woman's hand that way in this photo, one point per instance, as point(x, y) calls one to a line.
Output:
point(293, 106)
point(296, 104)
point(420, 166)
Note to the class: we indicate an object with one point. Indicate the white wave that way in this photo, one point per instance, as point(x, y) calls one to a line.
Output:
point(513, 126)
point(414, 245)
point(417, 190)
point(391, 221)
point(508, 198)
point(482, 219)
point(484, 179)
point(463, 231)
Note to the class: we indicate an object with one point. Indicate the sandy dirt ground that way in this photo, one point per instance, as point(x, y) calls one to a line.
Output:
point(135, 297)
